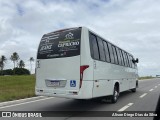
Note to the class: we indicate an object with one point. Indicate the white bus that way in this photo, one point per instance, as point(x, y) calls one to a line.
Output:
point(77, 63)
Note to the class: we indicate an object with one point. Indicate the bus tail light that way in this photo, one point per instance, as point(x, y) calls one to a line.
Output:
point(82, 68)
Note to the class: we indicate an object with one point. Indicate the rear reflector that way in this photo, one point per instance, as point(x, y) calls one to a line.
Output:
point(73, 93)
point(82, 68)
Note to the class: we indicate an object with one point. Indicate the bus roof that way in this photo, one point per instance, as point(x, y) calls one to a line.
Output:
point(83, 27)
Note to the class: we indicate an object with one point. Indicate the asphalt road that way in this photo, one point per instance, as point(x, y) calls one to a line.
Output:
point(145, 99)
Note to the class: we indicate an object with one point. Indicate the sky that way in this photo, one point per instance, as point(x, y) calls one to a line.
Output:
point(133, 25)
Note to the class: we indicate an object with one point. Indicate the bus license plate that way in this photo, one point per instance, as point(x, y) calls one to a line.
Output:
point(53, 83)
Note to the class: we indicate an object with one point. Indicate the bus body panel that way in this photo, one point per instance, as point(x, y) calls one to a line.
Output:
point(103, 86)
point(102, 82)
point(85, 55)
point(105, 76)
point(84, 93)
point(59, 69)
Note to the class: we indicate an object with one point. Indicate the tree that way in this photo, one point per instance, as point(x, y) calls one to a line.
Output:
point(21, 64)
point(7, 72)
point(31, 60)
point(3, 59)
point(21, 71)
point(14, 57)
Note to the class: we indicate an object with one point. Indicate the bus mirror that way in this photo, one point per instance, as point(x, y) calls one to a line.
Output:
point(135, 60)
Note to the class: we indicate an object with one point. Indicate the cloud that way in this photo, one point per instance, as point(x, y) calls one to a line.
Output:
point(132, 25)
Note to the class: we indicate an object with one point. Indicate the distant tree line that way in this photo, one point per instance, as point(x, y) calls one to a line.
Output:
point(19, 65)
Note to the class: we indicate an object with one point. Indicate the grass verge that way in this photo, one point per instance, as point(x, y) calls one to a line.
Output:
point(16, 87)
point(145, 77)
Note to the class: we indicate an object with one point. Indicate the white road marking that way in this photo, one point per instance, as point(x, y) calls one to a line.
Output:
point(26, 102)
point(143, 95)
point(125, 107)
point(155, 86)
point(20, 100)
point(151, 89)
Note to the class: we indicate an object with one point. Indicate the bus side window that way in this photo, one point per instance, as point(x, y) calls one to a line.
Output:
point(119, 56)
point(115, 54)
point(125, 62)
point(106, 51)
point(129, 61)
point(111, 52)
point(130, 58)
point(122, 60)
point(101, 49)
point(94, 47)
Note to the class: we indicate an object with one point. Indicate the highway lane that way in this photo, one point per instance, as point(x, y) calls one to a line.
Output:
point(145, 99)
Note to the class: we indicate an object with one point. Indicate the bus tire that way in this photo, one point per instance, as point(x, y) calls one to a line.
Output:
point(133, 90)
point(115, 95)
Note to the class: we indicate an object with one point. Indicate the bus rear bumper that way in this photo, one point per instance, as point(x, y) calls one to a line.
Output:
point(85, 92)
point(63, 94)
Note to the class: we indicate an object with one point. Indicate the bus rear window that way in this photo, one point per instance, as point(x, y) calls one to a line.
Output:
point(60, 44)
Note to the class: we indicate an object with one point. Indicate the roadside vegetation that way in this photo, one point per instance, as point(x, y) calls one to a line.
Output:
point(145, 77)
point(16, 87)
point(16, 83)
point(18, 65)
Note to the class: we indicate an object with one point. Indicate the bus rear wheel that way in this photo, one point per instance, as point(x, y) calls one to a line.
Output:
point(115, 95)
point(133, 90)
